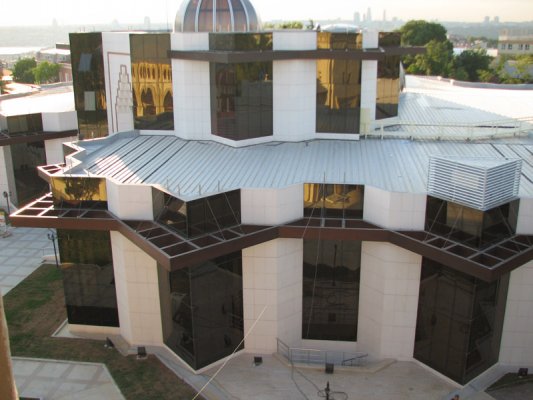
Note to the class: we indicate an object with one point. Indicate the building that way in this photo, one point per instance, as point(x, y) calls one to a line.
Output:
point(33, 128)
point(515, 42)
point(258, 191)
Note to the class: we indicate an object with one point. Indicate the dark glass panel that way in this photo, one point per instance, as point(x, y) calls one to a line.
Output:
point(25, 158)
point(474, 228)
point(240, 41)
point(331, 276)
point(339, 41)
point(241, 100)
point(152, 82)
point(79, 192)
point(88, 277)
point(459, 321)
point(333, 200)
point(203, 311)
point(24, 123)
point(89, 84)
point(388, 87)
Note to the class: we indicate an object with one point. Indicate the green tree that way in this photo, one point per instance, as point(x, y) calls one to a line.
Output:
point(46, 72)
point(438, 60)
point(23, 70)
point(291, 25)
point(473, 62)
point(420, 33)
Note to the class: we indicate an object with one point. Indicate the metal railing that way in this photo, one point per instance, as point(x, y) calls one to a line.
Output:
point(308, 356)
point(449, 131)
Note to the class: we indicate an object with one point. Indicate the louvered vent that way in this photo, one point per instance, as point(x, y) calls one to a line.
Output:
point(480, 183)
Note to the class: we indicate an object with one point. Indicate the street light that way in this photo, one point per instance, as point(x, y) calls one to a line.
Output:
point(6, 196)
point(52, 236)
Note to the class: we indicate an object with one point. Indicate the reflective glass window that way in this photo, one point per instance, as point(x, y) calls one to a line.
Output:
point(27, 123)
point(89, 84)
point(333, 200)
point(459, 321)
point(70, 192)
point(338, 103)
point(331, 277)
point(388, 85)
point(240, 41)
point(241, 100)
point(151, 71)
point(88, 277)
point(469, 226)
point(26, 157)
point(198, 217)
point(202, 309)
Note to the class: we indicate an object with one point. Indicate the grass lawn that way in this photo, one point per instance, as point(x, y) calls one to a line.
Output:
point(35, 309)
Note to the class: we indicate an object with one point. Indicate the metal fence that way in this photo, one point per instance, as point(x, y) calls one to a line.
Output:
point(308, 356)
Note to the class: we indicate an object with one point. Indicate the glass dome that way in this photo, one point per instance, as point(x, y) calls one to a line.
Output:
point(217, 16)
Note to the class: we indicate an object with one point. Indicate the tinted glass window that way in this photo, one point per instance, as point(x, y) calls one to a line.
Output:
point(151, 71)
point(24, 123)
point(388, 86)
point(331, 276)
point(333, 200)
point(459, 321)
point(25, 158)
point(88, 277)
point(202, 312)
point(79, 192)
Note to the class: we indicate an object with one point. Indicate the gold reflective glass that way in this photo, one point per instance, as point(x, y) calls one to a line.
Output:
point(74, 191)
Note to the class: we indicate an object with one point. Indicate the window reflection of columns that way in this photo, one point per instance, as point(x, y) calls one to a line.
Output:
point(152, 88)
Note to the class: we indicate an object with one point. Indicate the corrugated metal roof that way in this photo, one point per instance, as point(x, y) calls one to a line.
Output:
point(191, 169)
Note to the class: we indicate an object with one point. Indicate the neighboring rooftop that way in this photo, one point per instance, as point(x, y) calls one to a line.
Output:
point(57, 99)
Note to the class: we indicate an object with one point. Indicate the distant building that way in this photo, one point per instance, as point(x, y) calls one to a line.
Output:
point(515, 42)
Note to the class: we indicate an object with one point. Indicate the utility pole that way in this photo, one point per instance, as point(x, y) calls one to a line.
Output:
point(8, 390)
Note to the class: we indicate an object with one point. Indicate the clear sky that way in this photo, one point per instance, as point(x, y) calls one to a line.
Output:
point(43, 12)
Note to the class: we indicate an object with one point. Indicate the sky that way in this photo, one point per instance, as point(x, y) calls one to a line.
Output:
point(43, 12)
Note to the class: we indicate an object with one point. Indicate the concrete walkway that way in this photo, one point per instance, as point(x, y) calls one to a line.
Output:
point(62, 380)
point(21, 253)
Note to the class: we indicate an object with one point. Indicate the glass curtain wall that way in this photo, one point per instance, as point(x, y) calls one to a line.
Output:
point(241, 93)
point(88, 277)
point(18, 124)
point(388, 87)
point(79, 192)
point(469, 226)
point(25, 158)
point(89, 84)
point(151, 73)
point(331, 277)
point(333, 200)
point(198, 217)
point(459, 322)
point(202, 309)
point(338, 91)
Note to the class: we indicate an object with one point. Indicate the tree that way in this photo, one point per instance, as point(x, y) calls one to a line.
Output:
point(438, 60)
point(420, 33)
point(46, 72)
point(473, 62)
point(23, 70)
point(291, 25)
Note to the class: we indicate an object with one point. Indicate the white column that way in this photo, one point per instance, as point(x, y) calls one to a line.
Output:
point(133, 202)
point(388, 301)
point(369, 79)
point(54, 150)
point(7, 176)
point(525, 217)
point(517, 336)
point(137, 289)
point(272, 281)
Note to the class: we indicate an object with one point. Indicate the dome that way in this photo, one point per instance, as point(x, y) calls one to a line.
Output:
point(217, 16)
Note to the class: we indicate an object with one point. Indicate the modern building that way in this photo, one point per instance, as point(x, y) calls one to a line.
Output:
point(257, 191)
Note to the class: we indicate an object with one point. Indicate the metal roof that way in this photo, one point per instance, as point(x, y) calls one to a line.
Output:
point(193, 169)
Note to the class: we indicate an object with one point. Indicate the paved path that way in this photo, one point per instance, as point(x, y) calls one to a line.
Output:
point(62, 380)
point(21, 253)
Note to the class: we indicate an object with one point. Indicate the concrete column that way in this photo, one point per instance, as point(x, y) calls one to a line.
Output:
point(8, 390)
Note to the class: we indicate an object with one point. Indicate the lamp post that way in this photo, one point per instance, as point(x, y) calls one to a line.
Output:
point(6, 196)
point(52, 236)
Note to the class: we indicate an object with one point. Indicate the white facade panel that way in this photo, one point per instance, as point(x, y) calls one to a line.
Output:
point(7, 176)
point(294, 40)
point(137, 293)
point(271, 206)
point(272, 294)
point(130, 202)
point(524, 224)
point(192, 101)
point(369, 83)
point(294, 99)
point(393, 210)
point(388, 301)
point(517, 336)
point(117, 64)
point(54, 150)
point(60, 121)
